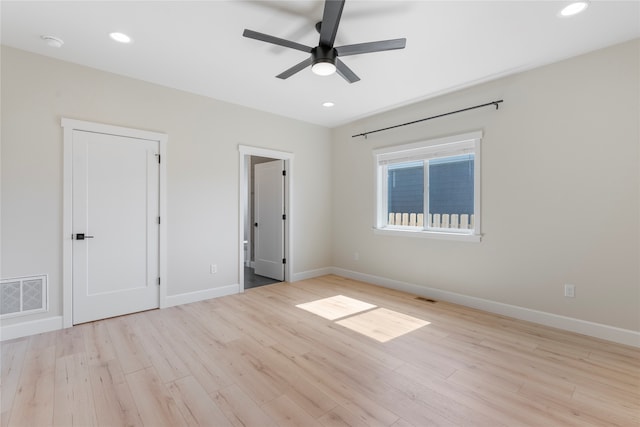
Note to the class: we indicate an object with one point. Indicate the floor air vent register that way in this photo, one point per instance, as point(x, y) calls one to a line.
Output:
point(21, 296)
point(426, 299)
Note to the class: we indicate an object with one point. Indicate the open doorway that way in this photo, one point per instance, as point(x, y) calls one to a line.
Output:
point(264, 206)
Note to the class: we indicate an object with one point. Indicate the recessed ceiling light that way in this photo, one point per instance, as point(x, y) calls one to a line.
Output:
point(120, 37)
point(574, 8)
point(328, 104)
point(52, 41)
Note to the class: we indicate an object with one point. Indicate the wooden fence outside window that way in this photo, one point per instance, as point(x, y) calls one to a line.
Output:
point(463, 221)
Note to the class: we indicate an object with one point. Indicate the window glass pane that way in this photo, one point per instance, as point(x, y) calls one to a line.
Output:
point(405, 184)
point(451, 186)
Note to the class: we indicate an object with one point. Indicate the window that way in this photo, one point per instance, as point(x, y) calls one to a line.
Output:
point(430, 188)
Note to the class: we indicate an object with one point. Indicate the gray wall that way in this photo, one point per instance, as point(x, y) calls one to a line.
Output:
point(560, 191)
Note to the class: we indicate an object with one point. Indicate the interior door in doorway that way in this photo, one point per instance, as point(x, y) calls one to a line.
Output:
point(269, 219)
point(115, 225)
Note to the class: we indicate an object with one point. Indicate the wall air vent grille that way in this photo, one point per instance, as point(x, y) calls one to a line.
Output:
point(21, 296)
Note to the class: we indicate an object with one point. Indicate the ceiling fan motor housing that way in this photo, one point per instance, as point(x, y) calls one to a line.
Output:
point(322, 53)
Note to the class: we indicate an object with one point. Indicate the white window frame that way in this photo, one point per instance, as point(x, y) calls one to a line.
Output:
point(424, 150)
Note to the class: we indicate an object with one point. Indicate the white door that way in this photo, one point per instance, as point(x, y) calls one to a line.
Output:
point(269, 219)
point(115, 225)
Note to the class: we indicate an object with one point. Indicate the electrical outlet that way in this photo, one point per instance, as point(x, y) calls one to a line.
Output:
point(213, 268)
point(569, 291)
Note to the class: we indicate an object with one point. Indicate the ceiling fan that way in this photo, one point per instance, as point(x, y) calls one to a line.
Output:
point(324, 59)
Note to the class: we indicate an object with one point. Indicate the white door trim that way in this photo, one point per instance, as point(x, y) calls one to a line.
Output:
point(69, 125)
point(245, 152)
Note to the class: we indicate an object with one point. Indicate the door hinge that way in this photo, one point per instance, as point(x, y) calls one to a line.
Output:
point(284, 173)
point(158, 281)
point(158, 220)
point(284, 260)
point(284, 216)
point(158, 155)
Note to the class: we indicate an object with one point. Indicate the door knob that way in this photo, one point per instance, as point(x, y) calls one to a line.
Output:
point(82, 236)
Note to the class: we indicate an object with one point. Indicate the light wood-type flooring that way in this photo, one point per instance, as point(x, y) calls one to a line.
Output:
point(321, 352)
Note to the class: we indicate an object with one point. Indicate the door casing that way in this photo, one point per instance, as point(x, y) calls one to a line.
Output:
point(69, 125)
point(245, 164)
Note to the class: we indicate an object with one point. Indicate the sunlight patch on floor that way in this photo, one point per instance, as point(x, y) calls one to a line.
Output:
point(382, 324)
point(367, 319)
point(336, 307)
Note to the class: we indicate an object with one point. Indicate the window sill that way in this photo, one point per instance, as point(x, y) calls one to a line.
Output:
point(403, 232)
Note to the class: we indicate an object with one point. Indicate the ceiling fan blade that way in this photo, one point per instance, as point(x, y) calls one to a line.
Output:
point(356, 49)
point(275, 40)
point(345, 72)
point(330, 21)
point(298, 67)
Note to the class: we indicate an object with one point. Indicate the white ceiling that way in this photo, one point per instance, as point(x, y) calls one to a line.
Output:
point(197, 46)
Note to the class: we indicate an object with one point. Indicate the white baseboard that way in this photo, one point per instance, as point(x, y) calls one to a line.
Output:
point(312, 273)
point(31, 327)
point(597, 330)
point(196, 296)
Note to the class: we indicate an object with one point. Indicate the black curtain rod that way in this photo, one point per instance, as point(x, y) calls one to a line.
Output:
point(496, 103)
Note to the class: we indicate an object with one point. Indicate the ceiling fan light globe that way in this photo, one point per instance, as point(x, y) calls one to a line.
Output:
point(323, 68)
